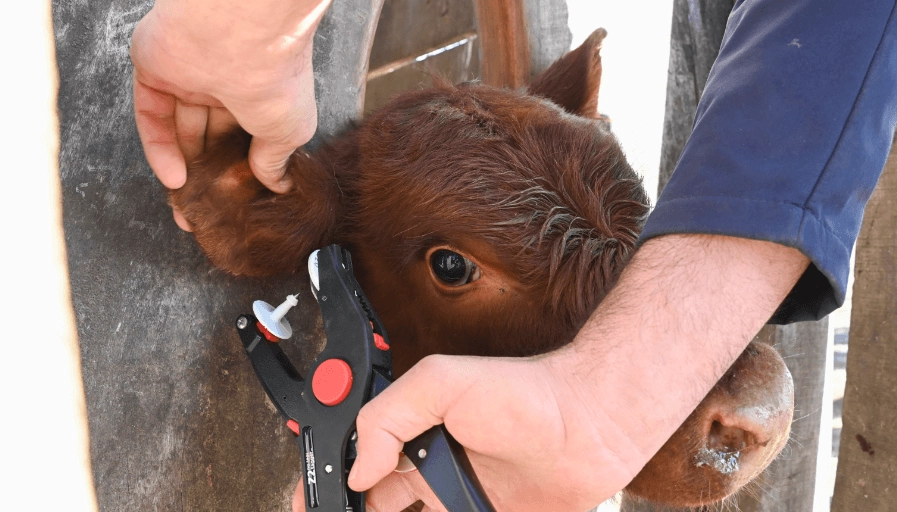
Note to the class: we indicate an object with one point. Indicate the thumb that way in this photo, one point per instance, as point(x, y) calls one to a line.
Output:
point(278, 128)
point(417, 401)
point(268, 161)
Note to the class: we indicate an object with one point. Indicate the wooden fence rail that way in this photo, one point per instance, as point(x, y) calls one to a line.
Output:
point(867, 460)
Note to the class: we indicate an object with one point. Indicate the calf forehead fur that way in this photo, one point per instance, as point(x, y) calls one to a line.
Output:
point(551, 192)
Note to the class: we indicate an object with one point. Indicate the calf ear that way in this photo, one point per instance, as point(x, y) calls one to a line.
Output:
point(245, 228)
point(573, 81)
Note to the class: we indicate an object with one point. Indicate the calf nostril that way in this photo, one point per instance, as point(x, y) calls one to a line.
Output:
point(728, 438)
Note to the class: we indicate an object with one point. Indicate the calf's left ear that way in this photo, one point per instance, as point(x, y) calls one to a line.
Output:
point(573, 80)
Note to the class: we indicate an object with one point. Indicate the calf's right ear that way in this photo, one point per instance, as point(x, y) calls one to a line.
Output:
point(573, 80)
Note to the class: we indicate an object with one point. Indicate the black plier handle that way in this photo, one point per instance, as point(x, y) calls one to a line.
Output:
point(355, 366)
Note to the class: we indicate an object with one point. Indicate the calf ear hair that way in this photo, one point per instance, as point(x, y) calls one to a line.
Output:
point(245, 228)
point(573, 80)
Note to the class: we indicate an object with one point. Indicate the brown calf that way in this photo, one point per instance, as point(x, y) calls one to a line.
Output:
point(487, 222)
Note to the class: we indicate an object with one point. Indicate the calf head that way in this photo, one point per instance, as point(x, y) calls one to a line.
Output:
point(486, 222)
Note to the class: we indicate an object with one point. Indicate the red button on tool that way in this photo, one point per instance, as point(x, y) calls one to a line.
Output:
point(332, 381)
point(294, 426)
point(380, 343)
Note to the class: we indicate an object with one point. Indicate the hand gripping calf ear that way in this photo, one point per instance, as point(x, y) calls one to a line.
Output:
point(245, 228)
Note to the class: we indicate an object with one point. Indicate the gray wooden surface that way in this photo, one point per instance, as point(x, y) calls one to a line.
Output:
point(177, 419)
point(697, 31)
point(548, 32)
point(867, 460)
point(342, 47)
point(789, 483)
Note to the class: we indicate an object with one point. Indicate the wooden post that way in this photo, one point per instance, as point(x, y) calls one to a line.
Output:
point(548, 32)
point(178, 420)
point(342, 47)
point(790, 482)
point(695, 38)
point(867, 460)
point(520, 38)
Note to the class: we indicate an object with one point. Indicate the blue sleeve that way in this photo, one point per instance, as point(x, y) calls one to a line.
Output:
point(790, 137)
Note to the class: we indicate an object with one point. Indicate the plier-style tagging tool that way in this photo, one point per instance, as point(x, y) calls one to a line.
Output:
point(354, 367)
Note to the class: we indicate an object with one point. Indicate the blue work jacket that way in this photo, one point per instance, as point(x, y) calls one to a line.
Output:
point(790, 137)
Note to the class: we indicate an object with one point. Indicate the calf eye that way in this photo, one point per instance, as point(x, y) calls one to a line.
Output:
point(452, 268)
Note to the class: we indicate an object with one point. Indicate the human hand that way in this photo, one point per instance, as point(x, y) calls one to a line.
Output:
point(520, 421)
point(203, 66)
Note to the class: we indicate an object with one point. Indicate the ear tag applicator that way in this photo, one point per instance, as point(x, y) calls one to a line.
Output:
point(354, 366)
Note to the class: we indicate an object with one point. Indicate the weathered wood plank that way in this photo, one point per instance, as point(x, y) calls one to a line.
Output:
point(417, 39)
point(460, 63)
point(177, 418)
point(503, 38)
point(408, 26)
point(696, 35)
point(548, 32)
point(867, 460)
point(520, 38)
point(342, 47)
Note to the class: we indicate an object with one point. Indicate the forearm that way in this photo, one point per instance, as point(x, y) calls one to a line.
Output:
point(781, 151)
point(261, 20)
point(684, 309)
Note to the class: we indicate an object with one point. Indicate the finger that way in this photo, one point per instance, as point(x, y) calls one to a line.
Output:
point(288, 120)
point(221, 122)
point(415, 402)
point(395, 493)
point(190, 122)
point(181, 221)
point(268, 161)
point(299, 497)
point(383, 447)
point(154, 115)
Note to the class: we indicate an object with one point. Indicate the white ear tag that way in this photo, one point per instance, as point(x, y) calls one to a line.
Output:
point(273, 319)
